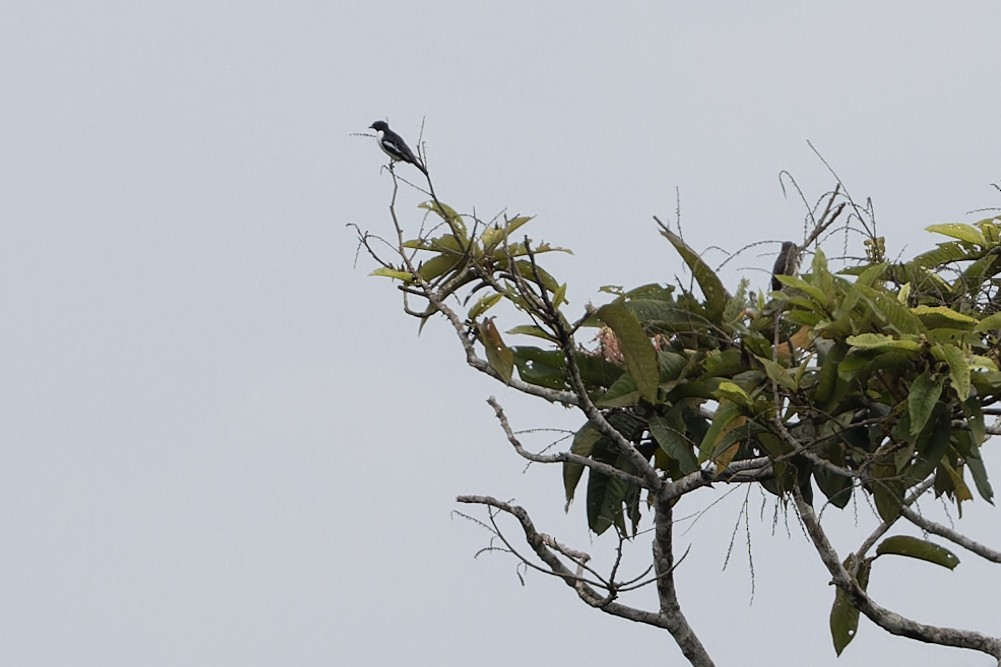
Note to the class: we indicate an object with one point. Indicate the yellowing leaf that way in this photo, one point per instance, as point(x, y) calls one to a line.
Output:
point(499, 356)
point(937, 317)
point(385, 272)
point(874, 341)
point(958, 230)
point(989, 323)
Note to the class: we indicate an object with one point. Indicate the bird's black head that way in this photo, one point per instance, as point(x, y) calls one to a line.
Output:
point(379, 125)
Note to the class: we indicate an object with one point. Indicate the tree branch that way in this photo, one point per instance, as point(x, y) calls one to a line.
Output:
point(544, 547)
point(561, 457)
point(890, 621)
point(948, 533)
point(670, 608)
point(881, 529)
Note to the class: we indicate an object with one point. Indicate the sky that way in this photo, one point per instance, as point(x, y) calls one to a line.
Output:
point(221, 441)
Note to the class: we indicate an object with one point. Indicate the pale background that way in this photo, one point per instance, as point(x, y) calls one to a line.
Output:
point(222, 444)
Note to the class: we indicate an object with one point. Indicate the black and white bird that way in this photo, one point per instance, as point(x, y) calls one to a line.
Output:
point(394, 146)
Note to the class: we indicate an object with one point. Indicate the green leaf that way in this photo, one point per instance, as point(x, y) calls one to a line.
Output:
point(989, 323)
point(778, 372)
point(922, 398)
point(560, 296)
point(673, 442)
point(844, 615)
point(913, 547)
point(493, 236)
point(605, 496)
point(871, 274)
point(437, 266)
point(621, 394)
point(931, 445)
point(386, 272)
point(483, 305)
point(544, 368)
point(959, 369)
point(532, 330)
point(971, 456)
point(875, 341)
point(979, 472)
point(887, 490)
point(945, 253)
point(938, 317)
point(499, 356)
point(710, 284)
point(958, 230)
point(894, 313)
point(639, 354)
point(814, 292)
point(528, 271)
point(727, 418)
point(583, 444)
point(735, 394)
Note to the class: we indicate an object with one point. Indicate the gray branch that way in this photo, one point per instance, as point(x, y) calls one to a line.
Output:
point(561, 457)
point(951, 535)
point(890, 621)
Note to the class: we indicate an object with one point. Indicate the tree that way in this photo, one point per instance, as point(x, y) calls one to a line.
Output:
point(872, 380)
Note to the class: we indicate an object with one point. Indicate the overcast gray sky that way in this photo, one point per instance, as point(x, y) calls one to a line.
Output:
point(221, 443)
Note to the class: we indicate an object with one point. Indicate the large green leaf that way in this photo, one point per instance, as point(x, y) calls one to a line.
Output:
point(887, 490)
point(959, 369)
point(533, 330)
point(958, 230)
point(923, 397)
point(971, 455)
point(583, 444)
point(913, 547)
point(945, 253)
point(931, 445)
point(844, 615)
point(712, 287)
point(728, 417)
point(814, 292)
point(989, 323)
point(894, 313)
point(437, 266)
point(673, 441)
point(494, 236)
point(605, 495)
point(387, 272)
point(499, 356)
point(875, 341)
point(639, 354)
point(938, 317)
point(545, 368)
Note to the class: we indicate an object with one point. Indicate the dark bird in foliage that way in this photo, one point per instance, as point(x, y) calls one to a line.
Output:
point(394, 146)
point(786, 264)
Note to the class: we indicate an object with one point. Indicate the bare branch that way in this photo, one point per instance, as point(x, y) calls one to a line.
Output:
point(948, 533)
point(544, 545)
point(881, 529)
point(561, 457)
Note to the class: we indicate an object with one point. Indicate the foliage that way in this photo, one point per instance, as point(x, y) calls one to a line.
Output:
point(872, 378)
point(881, 369)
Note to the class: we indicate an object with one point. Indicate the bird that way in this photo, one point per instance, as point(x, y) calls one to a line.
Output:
point(786, 264)
point(394, 146)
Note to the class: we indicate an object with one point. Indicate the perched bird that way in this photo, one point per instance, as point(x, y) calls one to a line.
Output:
point(394, 146)
point(786, 264)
